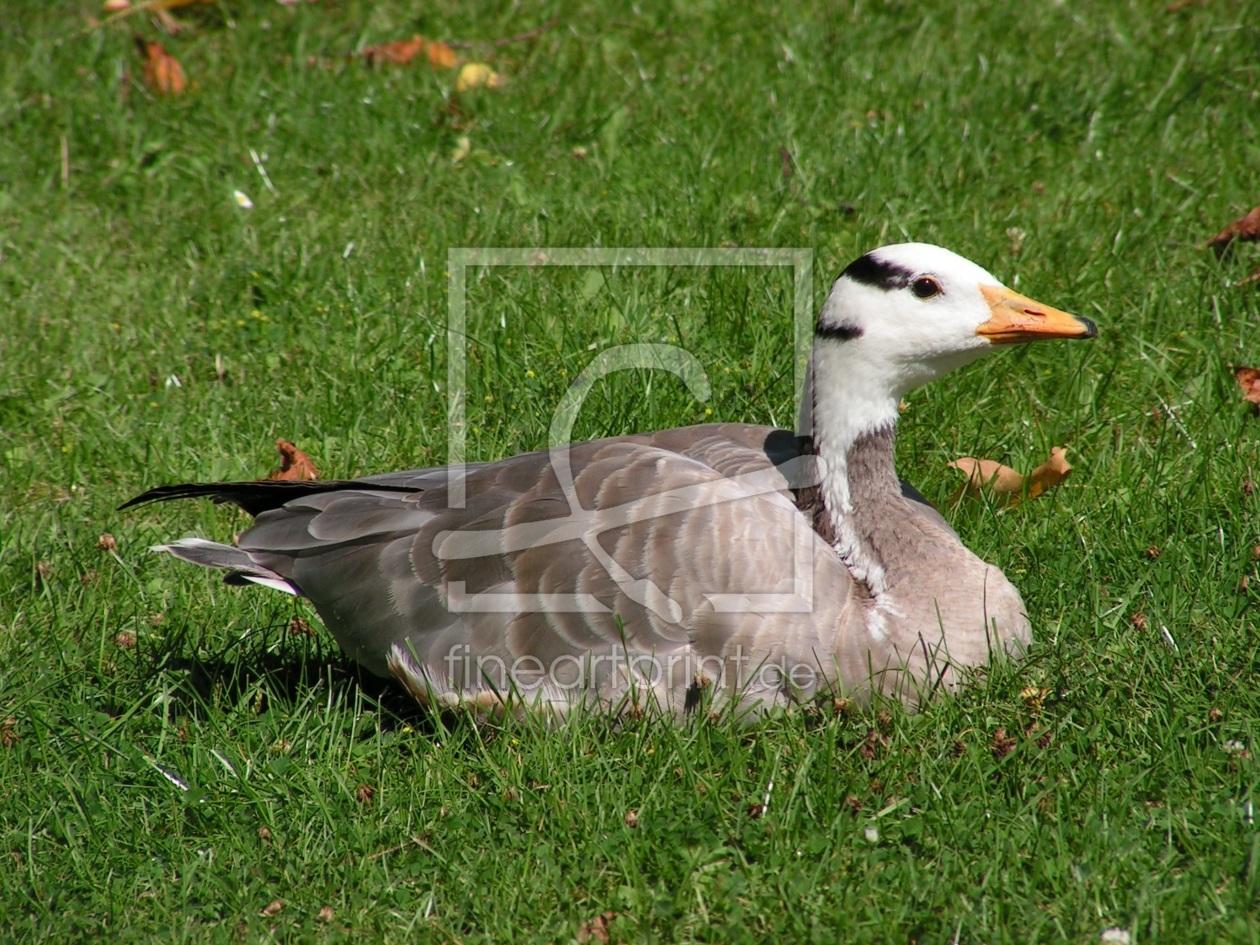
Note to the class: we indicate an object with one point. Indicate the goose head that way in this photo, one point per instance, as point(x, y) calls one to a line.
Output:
point(907, 314)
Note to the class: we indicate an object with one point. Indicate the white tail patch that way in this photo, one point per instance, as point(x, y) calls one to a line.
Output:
point(275, 583)
point(213, 554)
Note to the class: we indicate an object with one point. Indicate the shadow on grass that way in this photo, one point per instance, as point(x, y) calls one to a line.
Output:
point(279, 667)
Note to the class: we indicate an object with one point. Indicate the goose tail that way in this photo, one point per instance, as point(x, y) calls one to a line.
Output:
point(242, 568)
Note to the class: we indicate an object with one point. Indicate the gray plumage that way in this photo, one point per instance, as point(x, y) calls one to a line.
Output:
point(742, 559)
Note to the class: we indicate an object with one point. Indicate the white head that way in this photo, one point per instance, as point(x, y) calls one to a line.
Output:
point(903, 315)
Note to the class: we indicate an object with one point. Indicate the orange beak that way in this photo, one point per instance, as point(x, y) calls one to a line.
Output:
point(1017, 319)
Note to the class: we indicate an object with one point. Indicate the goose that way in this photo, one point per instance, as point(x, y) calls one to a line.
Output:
point(759, 566)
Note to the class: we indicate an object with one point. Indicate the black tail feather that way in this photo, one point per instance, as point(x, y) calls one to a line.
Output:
point(254, 497)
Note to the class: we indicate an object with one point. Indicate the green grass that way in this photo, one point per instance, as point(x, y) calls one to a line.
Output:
point(1115, 137)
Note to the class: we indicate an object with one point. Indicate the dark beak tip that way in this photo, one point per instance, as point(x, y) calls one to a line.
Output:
point(1091, 330)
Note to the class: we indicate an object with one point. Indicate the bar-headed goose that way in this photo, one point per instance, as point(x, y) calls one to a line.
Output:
point(764, 566)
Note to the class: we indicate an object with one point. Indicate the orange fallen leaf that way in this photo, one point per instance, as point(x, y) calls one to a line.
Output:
point(1005, 483)
point(1050, 473)
point(1244, 229)
point(295, 466)
point(988, 473)
point(441, 56)
point(162, 72)
point(1249, 380)
point(401, 52)
point(476, 75)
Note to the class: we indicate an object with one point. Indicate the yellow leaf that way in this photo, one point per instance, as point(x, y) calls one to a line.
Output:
point(476, 75)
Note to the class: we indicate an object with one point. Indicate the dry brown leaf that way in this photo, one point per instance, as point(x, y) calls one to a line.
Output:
point(596, 929)
point(988, 473)
point(1005, 483)
point(272, 908)
point(171, 25)
point(1002, 744)
point(1244, 229)
point(477, 75)
point(400, 52)
point(123, 8)
point(1050, 473)
point(1246, 280)
point(295, 466)
point(1249, 380)
point(441, 56)
point(162, 72)
point(403, 51)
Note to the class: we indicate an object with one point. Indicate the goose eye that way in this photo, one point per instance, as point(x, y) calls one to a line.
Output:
point(925, 288)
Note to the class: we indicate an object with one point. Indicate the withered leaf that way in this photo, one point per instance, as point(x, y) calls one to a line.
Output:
point(1050, 473)
point(596, 929)
point(1249, 380)
point(1005, 483)
point(477, 75)
point(403, 51)
point(982, 473)
point(162, 72)
point(295, 466)
point(441, 56)
point(124, 8)
point(399, 52)
point(1243, 229)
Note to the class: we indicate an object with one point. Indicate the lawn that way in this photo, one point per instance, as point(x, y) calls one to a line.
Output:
point(185, 761)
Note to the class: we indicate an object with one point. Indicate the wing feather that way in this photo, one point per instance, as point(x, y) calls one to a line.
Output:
point(673, 546)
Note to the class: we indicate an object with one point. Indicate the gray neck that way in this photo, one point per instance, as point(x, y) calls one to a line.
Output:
point(856, 500)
